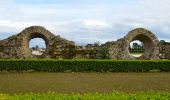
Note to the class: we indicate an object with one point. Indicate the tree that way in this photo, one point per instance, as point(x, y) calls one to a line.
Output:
point(36, 47)
point(96, 44)
point(104, 51)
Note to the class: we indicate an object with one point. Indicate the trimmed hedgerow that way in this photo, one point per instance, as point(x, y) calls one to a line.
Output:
point(52, 65)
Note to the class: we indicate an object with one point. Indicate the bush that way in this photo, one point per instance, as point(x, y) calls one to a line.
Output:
point(52, 65)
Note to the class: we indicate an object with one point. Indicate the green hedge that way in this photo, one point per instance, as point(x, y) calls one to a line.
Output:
point(84, 65)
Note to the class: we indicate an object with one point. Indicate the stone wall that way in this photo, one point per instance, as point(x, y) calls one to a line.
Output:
point(164, 50)
point(120, 48)
point(17, 46)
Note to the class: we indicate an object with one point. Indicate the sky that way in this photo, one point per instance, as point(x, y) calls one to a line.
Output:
point(86, 21)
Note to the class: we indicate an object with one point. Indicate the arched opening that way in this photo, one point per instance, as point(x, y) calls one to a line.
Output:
point(136, 48)
point(38, 45)
point(144, 47)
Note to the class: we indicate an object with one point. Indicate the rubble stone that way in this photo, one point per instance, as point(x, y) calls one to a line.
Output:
point(17, 46)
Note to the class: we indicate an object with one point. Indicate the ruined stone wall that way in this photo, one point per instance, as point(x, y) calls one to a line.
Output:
point(164, 50)
point(17, 46)
point(12, 47)
point(151, 43)
point(91, 52)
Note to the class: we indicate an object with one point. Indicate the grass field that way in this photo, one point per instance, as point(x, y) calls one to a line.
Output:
point(20, 83)
point(89, 96)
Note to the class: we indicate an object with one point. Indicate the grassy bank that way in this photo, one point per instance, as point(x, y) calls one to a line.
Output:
point(89, 96)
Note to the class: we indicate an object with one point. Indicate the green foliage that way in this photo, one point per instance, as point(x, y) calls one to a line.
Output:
point(52, 65)
point(104, 52)
point(89, 96)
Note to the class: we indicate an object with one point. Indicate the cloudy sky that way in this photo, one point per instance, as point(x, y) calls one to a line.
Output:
point(86, 21)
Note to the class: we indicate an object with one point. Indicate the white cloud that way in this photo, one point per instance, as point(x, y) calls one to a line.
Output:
point(88, 23)
point(92, 23)
point(2, 2)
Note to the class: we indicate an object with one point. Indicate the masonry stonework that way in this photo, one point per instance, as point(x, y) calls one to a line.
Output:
point(164, 50)
point(17, 46)
point(151, 45)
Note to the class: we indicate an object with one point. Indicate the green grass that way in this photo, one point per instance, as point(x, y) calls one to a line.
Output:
point(84, 86)
point(38, 82)
point(89, 96)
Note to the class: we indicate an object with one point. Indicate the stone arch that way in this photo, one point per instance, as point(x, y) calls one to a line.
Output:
point(151, 44)
point(35, 32)
point(42, 36)
point(17, 46)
